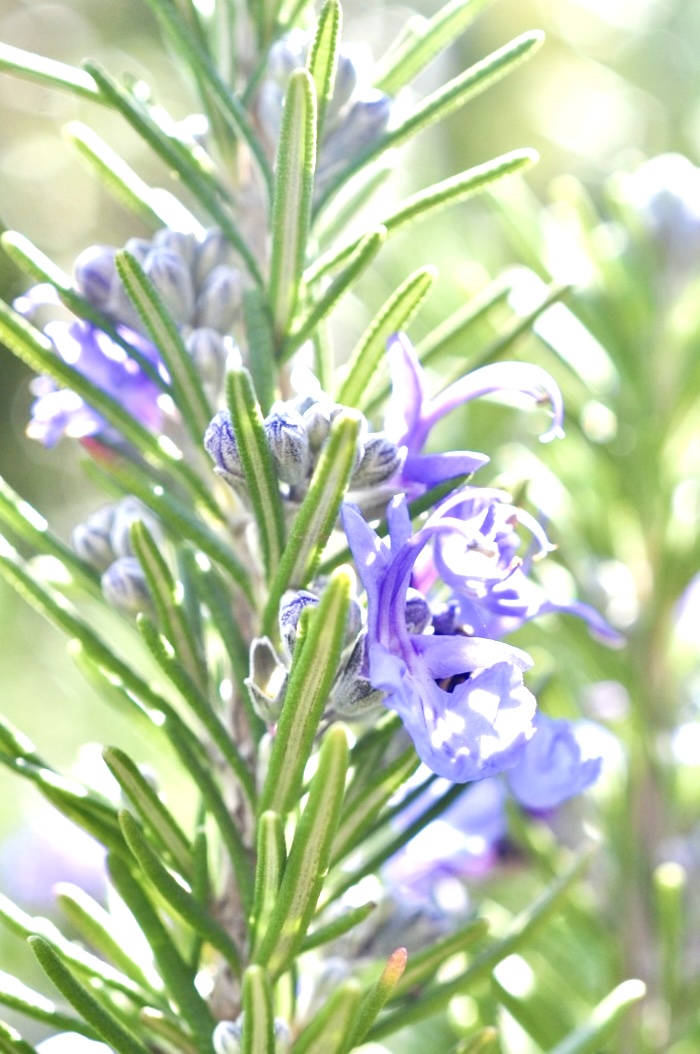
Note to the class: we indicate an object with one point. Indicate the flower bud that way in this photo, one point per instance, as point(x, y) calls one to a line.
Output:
point(139, 248)
point(219, 301)
point(344, 85)
point(286, 55)
point(213, 251)
point(268, 680)
point(95, 276)
point(126, 512)
point(352, 695)
point(380, 460)
point(124, 586)
point(418, 614)
point(446, 619)
point(220, 443)
point(317, 422)
point(226, 1038)
point(209, 354)
point(171, 277)
point(365, 121)
point(289, 445)
point(293, 603)
point(92, 539)
point(182, 245)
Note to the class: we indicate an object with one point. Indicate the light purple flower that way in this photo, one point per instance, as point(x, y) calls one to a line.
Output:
point(411, 413)
point(461, 699)
point(58, 412)
point(552, 767)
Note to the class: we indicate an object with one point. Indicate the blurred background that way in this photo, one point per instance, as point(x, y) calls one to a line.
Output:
point(617, 82)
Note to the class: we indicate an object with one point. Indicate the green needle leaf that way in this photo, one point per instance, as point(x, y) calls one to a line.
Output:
point(590, 1037)
point(314, 667)
point(446, 100)
point(423, 965)
point(369, 353)
point(12, 1043)
point(314, 521)
point(338, 927)
point(150, 808)
point(261, 347)
point(185, 381)
point(189, 910)
point(425, 39)
point(258, 1023)
point(107, 1027)
point(176, 974)
point(36, 1006)
point(322, 60)
point(272, 858)
point(328, 1030)
point(49, 72)
point(309, 855)
point(482, 1042)
point(378, 995)
point(256, 458)
point(291, 209)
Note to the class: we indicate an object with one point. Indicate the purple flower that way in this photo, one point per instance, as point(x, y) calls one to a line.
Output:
point(58, 412)
point(461, 698)
point(552, 767)
point(411, 414)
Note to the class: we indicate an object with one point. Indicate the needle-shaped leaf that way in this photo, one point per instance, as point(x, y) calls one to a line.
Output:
point(177, 157)
point(105, 1024)
point(168, 603)
point(189, 910)
point(157, 817)
point(447, 99)
point(363, 256)
point(293, 193)
point(49, 72)
point(272, 858)
point(258, 466)
point(379, 994)
point(482, 1042)
point(338, 927)
point(317, 514)
point(258, 1022)
point(425, 39)
point(370, 350)
point(176, 974)
point(12, 1043)
point(116, 176)
point(328, 1030)
point(590, 1038)
point(322, 59)
point(313, 669)
point(309, 855)
point(36, 1006)
point(261, 347)
point(184, 379)
point(423, 965)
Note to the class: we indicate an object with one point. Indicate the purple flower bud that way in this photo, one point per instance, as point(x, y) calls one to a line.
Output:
point(365, 121)
point(124, 586)
point(380, 460)
point(182, 245)
point(92, 540)
point(289, 445)
point(171, 277)
point(317, 422)
point(213, 251)
point(343, 87)
point(220, 443)
point(127, 512)
point(209, 354)
point(353, 694)
point(227, 1037)
point(418, 615)
point(293, 603)
point(95, 276)
point(219, 301)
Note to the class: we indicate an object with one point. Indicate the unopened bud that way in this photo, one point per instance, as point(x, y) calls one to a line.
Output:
point(291, 607)
point(127, 512)
point(344, 85)
point(289, 445)
point(227, 1037)
point(92, 539)
point(209, 354)
point(446, 619)
point(183, 245)
point(317, 422)
point(220, 443)
point(353, 695)
point(213, 251)
point(124, 586)
point(268, 680)
point(95, 276)
point(380, 460)
point(219, 301)
point(171, 277)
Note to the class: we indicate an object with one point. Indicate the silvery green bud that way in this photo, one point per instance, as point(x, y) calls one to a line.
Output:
point(124, 586)
point(417, 610)
point(183, 245)
point(213, 251)
point(352, 694)
point(380, 460)
point(92, 539)
point(317, 422)
point(209, 354)
point(291, 607)
point(220, 443)
point(365, 122)
point(126, 512)
point(227, 1036)
point(95, 276)
point(171, 277)
point(219, 301)
point(289, 445)
point(268, 680)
